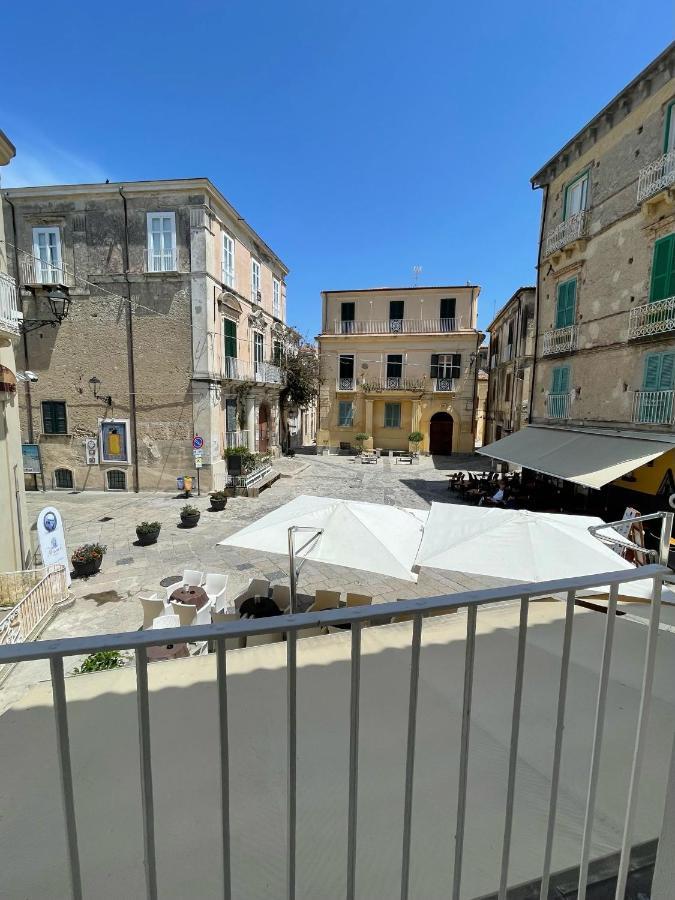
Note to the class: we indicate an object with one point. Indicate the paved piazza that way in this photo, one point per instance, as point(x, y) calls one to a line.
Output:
point(107, 602)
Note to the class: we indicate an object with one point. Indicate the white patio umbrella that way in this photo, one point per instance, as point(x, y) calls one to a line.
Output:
point(368, 536)
point(521, 546)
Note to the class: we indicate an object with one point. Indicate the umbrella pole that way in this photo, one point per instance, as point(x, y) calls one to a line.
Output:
point(293, 572)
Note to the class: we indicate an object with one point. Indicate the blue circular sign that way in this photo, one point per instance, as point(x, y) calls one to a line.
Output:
point(197, 442)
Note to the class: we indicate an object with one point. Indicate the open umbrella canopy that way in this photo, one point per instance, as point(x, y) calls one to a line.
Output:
point(520, 545)
point(358, 535)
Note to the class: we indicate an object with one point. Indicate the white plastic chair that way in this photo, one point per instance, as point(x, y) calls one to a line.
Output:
point(186, 612)
point(152, 607)
point(215, 587)
point(191, 578)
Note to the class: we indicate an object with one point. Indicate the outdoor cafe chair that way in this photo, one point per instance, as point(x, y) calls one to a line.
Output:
point(191, 578)
point(325, 600)
point(215, 587)
point(257, 587)
point(358, 599)
point(230, 643)
point(186, 612)
point(152, 607)
point(281, 594)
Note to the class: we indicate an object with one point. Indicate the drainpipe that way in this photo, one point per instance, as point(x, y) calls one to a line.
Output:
point(130, 346)
point(537, 303)
point(24, 339)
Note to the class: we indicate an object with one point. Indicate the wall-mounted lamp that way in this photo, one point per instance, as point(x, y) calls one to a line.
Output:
point(58, 302)
point(94, 382)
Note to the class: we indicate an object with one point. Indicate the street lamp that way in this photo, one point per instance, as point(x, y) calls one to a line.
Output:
point(94, 382)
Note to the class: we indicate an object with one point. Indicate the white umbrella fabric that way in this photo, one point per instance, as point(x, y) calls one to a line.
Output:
point(368, 536)
point(521, 546)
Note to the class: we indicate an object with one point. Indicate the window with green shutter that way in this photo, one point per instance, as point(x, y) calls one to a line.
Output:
point(54, 417)
point(654, 402)
point(230, 335)
point(658, 372)
point(663, 269)
point(566, 303)
point(392, 415)
point(560, 380)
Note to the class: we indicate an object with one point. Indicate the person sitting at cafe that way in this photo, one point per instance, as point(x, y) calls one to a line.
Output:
point(497, 499)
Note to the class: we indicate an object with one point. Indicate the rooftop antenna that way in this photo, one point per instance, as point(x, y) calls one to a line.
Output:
point(417, 270)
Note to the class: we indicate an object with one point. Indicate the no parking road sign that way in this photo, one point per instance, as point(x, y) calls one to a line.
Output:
point(197, 442)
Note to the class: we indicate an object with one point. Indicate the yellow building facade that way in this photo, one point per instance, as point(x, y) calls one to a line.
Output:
point(399, 360)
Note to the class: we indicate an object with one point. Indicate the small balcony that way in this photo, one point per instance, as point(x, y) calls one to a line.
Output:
point(652, 318)
point(572, 229)
point(243, 370)
point(561, 340)
point(161, 260)
point(398, 326)
point(654, 407)
point(345, 384)
point(558, 406)
point(445, 385)
point(396, 384)
point(656, 177)
point(39, 273)
point(9, 305)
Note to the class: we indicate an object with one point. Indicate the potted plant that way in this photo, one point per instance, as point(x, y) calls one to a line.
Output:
point(218, 500)
point(148, 532)
point(87, 559)
point(360, 439)
point(189, 516)
point(415, 438)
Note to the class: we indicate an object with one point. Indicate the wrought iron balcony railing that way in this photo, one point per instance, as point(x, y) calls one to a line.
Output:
point(571, 229)
point(558, 406)
point(561, 340)
point(445, 385)
point(654, 407)
point(652, 318)
point(345, 384)
point(657, 176)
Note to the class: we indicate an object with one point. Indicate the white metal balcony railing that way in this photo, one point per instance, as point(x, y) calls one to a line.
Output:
point(652, 318)
point(657, 176)
point(236, 439)
point(571, 229)
point(250, 478)
point(445, 385)
point(290, 627)
point(243, 370)
point(161, 260)
point(654, 407)
point(398, 326)
point(9, 304)
point(561, 340)
point(390, 383)
point(34, 594)
point(558, 406)
point(35, 271)
point(345, 384)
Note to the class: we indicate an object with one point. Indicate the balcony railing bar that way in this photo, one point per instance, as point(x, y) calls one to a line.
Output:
point(290, 625)
point(557, 747)
point(469, 657)
point(354, 697)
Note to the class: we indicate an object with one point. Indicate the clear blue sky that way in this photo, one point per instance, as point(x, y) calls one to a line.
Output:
point(358, 138)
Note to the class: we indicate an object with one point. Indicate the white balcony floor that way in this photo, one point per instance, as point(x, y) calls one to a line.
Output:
point(184, 724)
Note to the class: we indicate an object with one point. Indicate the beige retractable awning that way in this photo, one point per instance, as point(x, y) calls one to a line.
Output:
point(591, 458)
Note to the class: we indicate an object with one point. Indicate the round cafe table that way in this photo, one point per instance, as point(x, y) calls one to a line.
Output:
point(194, 596)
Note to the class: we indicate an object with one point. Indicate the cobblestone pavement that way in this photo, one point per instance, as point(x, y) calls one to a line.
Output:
point(107, 602)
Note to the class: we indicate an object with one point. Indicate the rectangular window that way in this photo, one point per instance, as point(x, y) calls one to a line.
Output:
point(346, 366)
point(392, 415)
point(231, 416)
point(346, 413)
point(446, 365)
point(258, 347)
point(162, 242)
point(230, 338)
point(396, 310)
point(394, 365)
point(276, 353)
point(255, 281)
point(566, 304)
point(576, 195)
point(507, 388)
point(276, 297)
point(54, 417)
point(560, 380)
point(448, 307)
point(663, 269)
point(347, 311)
point(654, 403)
point(47, 253)
point(228, 261)
point(669, 136)
point(658, 372)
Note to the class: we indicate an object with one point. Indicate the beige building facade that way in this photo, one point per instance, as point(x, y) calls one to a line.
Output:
point(511, 356)
point(399, 360)
point(15, 546)
point(172, 327)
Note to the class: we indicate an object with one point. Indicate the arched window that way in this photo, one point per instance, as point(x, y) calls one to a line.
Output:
point(116, 480)
point(63, 479)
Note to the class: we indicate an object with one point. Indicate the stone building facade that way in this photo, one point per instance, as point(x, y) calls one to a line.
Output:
point(15, 546)
point(398, 360)
point(510, 365)
point(174, 328)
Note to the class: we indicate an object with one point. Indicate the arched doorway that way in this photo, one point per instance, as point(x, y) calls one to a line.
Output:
point(263, 437)
point(440, 433)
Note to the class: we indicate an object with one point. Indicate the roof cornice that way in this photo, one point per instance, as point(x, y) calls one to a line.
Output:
point(7, 149)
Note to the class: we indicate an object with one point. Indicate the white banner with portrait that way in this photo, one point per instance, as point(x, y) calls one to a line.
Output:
point(52, 539)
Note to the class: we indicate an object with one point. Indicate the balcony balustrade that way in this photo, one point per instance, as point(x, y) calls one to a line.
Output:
point(652, 318)
point(398, 326)
point(9, 305)
point(243, 370)
point(654, 407)
point(561, 340)
point(571, 229)
point(36, 272)
point(558, 406)
point(161, 260)
point(656, 177)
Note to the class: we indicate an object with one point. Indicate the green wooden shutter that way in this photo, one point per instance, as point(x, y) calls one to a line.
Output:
point(663, 269)
point(566, 305)
point(434, 365)
point(561, 380)
point(667, 370)
point(652, 372)
point(54, 417)
point(230, 332)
